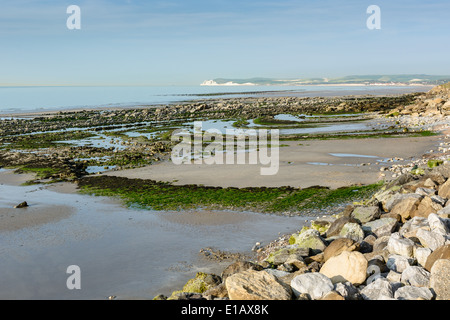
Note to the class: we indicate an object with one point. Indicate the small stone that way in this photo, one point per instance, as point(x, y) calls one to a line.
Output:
point(21, 205)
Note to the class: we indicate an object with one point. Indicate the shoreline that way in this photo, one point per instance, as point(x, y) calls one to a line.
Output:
point(53, 111)
point(133, 226)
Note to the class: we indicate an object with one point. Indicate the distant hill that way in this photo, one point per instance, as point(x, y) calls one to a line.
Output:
point(399, 79)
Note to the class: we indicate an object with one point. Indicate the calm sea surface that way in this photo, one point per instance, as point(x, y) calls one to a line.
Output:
point(35, 99)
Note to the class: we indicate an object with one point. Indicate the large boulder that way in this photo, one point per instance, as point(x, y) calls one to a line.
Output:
point(430, 239)
point(444, 190)
point(352, 231)
point(413, 293)
point(365, 214)
point(287, 253)
point(437, 224)
point(415, 276)
point(427, 206)
point(380, 289)
point(256, 285)
point(309, 239)
point(401, 246)
point(314, 284)
point(440, 280)
point(347, 266)
point(380, 227)
point(442, 252)
point(239, 266)
point(398, 263)
point(406, 207)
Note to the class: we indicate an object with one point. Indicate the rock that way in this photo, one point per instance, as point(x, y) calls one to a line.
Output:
point(321, 225)
point(347, 266)
point(201, 283)
point(439, 200)
point(339, 245)
point(425, 207)
point(309, 239)
point(393, 276)
point(239, 266)
point(430, 239)
point(291, 252)
point(380, 227)
point(219, 291)
point(366, 214)
point(380, 289)
point(440, 280)
point(21, 205)
point(315, 284)
point(398, 198)
point(442, 252)
point(348, 291)
point(425, 191)
point(277, 273)
point(380, 243)
point(332, 295)
point(336, 226)
point(256, 285)
point(437, 225)
point(421, 255)
point(416, 276)
point(406, 208)
point(444, 190)
point(413, 293)
point(352, 231)
point(411, 226)
point(401, 246)
point(398, 263)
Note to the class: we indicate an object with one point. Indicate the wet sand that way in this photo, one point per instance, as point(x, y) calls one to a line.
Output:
point(311, 163)
point(128, 253)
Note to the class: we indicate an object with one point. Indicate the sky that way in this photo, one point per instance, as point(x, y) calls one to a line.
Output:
point(184, 42)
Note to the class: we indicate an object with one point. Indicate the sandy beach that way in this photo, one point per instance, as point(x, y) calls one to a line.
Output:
point(330, 163)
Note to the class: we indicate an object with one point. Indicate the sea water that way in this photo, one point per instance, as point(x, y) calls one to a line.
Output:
point(35, 99)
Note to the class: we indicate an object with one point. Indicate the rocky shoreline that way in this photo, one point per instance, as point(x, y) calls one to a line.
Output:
point(396, 246)
point(393, 246)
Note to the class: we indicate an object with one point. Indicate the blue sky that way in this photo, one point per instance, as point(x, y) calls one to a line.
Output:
point(183, 42)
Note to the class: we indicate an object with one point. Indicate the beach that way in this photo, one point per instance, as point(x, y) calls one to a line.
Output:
point(126, 248)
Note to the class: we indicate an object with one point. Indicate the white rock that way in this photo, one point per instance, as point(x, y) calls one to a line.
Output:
point(398, 263)
point(430, 239)
point(401, 246)
point(437, 225)
point(416, 276)
point(413, 293)
point(421, 255)
point(315, 284)
point(380, 289)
